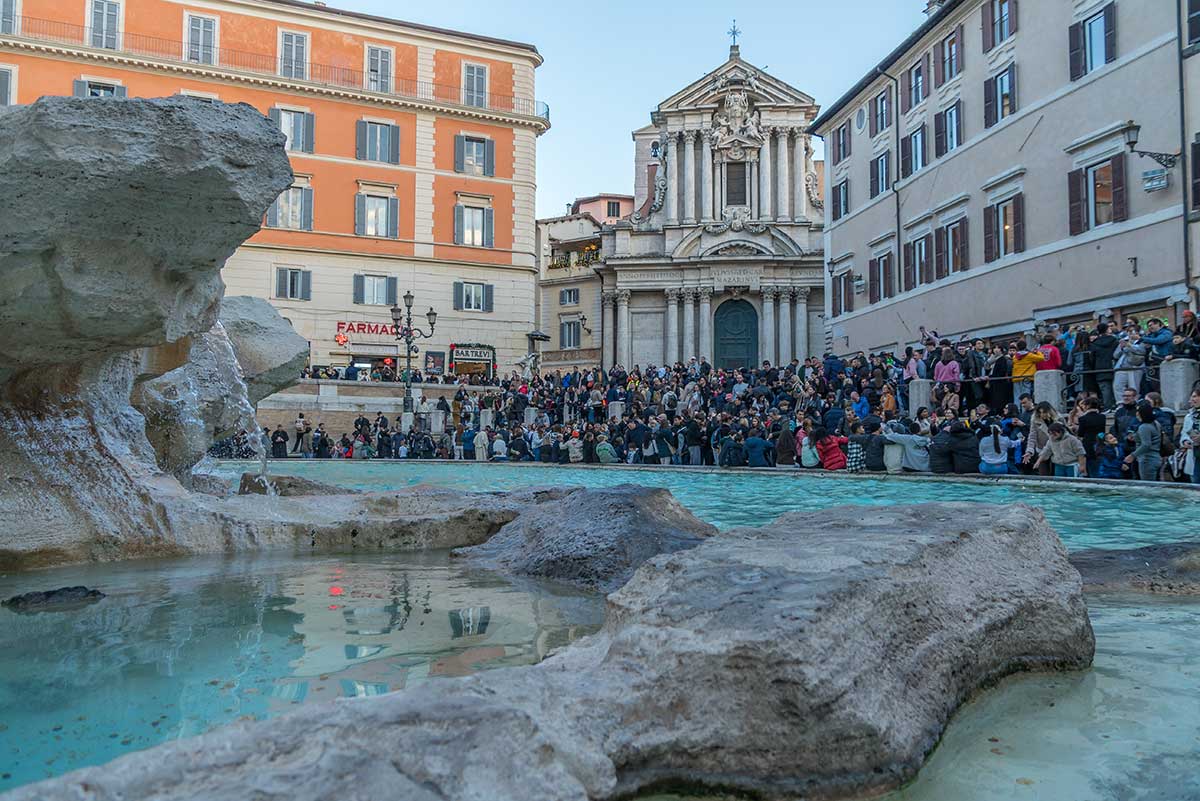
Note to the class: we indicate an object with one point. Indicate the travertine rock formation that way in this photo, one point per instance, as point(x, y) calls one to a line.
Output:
point(269, 351)
point(819, 656)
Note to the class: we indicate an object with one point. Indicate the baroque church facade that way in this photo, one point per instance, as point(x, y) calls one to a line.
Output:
point(722, 257)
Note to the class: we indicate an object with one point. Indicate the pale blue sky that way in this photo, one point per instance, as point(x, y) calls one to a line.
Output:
point(609, 64)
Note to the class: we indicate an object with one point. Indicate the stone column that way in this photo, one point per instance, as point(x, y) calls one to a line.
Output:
point(764, 177)
point(672, 206)
point(705, 347)
point(769, 293)
point(1048, 386)
point(689, 323)
point(672, 327)
point(706, 176)
point(607, 299)
point(689, 176)
point(1178, 376)
point(799, 170)
point(785, 321)
point(800, 321)
point(624, 335)
point(784, 187)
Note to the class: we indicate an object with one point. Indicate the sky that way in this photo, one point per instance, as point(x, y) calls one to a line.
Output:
point(608, 65)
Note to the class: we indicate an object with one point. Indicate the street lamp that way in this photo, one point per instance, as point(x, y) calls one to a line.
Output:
point(405, 332)
point(1133, 132)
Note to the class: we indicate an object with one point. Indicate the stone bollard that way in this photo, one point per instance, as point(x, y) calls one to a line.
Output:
point(919, 392)
point(616, 409)
point(406, 422)
point(486, 418)
point(437, 421)
point(1178, 376)
point(1048, 386)
point(530, 415)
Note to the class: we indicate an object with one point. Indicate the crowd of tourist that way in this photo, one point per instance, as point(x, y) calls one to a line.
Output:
point(827, 413)
point(383, 372)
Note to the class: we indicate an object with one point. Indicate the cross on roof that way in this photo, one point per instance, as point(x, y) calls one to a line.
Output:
point(734, 32)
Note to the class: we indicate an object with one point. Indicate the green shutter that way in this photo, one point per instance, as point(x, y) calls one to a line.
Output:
point(306, 285)
point(488, 226)
point(460, 143)
point(360, 214)
point(273, 213)
point(281, 282)
point(489, 157)
point(80, 89)
point(5, 84)
point(488, 292)
point(458, 224)
point(458, 295)
point(394, 217)
point(310, 129)
point(394, 144)
point(360, 140)
point(306, 208)
point(359, 289)
point(393, 288)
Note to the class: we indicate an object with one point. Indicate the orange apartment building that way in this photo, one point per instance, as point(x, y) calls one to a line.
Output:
point(413, 149)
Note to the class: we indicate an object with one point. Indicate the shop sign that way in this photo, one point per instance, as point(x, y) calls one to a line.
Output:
point(435, 362)
point(472, 354)
point(360, 327)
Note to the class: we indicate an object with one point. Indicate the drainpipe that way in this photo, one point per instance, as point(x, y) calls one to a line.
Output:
point(1183, 158)
point(895, 112)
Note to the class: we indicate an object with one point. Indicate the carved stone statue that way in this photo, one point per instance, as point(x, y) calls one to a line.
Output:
point(736, 123)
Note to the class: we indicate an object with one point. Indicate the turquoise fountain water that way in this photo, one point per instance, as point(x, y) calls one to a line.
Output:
point(181, 646)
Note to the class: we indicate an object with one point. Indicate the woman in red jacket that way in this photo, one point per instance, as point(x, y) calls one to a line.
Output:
point(829, 448)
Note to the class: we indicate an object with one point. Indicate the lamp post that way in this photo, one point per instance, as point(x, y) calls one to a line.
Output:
point(405, 332)
point(1133, 133)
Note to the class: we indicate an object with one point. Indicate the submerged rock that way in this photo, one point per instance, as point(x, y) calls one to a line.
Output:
point(1169, 569)
point(592, 538)
point(288, 486)
point(820, 656)
point(52, 600)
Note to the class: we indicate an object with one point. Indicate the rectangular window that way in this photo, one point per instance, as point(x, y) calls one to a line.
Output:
point(8, 16)
point(379, 146)
point(292, 283)
point(289, 209)
point(916, 83)
point(953, 126)
point(1001, 20)
point(882, 112)
point(96, 89)
point(881, 174)
point(1094, 37)
point(375, 290)
point(472, 297)
point(293, 55)
point(614, 208)
point(950, 59)
point(1193, 26)
point(735, 183)
point(106, 16)
point(956, 237)
point(568, 335)
point(474, 155)
point(1006, 241)
point(1005, 97)
point(841, 144)
point(568, 297)
point(921, 258)
point(841, 200)
point(472, 226)
point(6, 92)
point(201, 39)
point(292, 125)
point(379, 69)
point(475, 85)
point(918, 149)
point(1100, 194)
point(375, 219)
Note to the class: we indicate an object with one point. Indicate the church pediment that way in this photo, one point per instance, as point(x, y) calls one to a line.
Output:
point(735, 75)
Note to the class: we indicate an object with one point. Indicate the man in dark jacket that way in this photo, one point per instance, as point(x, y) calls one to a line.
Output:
point(955, 450)
point(1104, 346)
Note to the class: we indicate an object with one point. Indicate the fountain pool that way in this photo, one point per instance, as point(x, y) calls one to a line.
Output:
point(181, 646)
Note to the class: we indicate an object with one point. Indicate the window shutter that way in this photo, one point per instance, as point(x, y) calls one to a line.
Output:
point(80, 89)
point(888, 120)
point(989, 102)
point(306, 208)
point(1012, 87)
point(1119, 189)
point(120, 91)
point(1019, 223)
point(272, 113)
point(273, 213)
point(927, 262)
point(939, 134)
point(488, 298)
point(460, 143)
point(1012, 16)
point(926, 75)
point(991, 251)
point(924, 144)
point(939, 65)
point(906, 157)
point(874, 178)
point(360, 214)
point(360, 140)
point(1196, 173)
point(489, 158)
point(360, 291)
point(394, 144)
point(964, 244)
point(849, 140)
point(833, 146)
point(889, 277)
point(1077, 201)
point(835, 304)
point(1075, 50)
point(958, 122)
point(910, 267)
point(848, 291)
point(562, 335)
point(458, 295)
point(906, 95)
point(393, 290)
point(1110, 33)
point(940, 255)
point(874, 117)
point(873, 281)
point(489, 219)
point(962, 49)
point(4, 88)
point(458, 224)
point(394, 217)
point(306, 285)
point(281, 282)
point(989, 25)
point(310, 130)
point(562, 296)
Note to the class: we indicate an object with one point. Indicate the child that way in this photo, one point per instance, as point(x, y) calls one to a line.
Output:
point(1110, 455)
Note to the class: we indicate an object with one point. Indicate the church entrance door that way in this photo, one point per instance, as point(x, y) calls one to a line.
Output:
point(736, 332)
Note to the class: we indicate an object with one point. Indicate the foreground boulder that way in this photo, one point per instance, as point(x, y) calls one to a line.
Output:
point(270, 352)
point(592, 538)
point(820, 656)
point(1169, 569)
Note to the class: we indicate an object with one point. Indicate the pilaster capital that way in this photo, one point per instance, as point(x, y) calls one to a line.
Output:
point(709, 136)
point(672, 295)
point(608, 297)
point(688, 294)
point(705, 293)
point(769, 293)
point(623, 296)
point(690, 136)
point(802, 293)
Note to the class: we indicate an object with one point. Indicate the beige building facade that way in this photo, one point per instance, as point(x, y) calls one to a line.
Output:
point(722, 257)
point(980, 180)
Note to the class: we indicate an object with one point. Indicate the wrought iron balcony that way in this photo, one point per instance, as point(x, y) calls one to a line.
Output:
point(200, 55)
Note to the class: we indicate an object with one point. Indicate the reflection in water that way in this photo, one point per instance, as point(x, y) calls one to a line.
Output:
point(182, 646)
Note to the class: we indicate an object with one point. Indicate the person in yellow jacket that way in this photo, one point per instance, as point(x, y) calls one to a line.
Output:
point(1024, 365)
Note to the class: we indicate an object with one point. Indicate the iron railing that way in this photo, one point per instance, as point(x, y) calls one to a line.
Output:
point(201, 55)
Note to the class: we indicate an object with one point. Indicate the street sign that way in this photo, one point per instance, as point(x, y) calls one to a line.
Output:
point(1155, 180)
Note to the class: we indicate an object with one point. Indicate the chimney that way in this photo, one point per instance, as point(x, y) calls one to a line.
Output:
point(933, 6)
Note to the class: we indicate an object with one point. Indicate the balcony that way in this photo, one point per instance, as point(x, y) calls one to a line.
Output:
point(204, 56)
